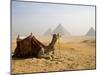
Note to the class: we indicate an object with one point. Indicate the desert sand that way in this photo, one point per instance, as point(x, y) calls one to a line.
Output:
point(73, 53)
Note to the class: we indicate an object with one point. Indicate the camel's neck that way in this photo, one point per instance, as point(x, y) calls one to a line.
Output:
point(54, 39)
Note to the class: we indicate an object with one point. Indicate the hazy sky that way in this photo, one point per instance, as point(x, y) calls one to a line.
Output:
point(38, 17)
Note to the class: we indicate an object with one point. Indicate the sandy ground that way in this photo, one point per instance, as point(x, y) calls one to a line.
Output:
point(75, 53)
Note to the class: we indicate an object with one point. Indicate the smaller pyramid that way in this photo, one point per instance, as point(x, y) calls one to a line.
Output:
point(48, 32)
point(91, 32)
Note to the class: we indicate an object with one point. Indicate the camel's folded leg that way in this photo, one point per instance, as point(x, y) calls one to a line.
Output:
point(41, 53)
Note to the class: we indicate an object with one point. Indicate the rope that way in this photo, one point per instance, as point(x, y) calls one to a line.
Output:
point(59, 45)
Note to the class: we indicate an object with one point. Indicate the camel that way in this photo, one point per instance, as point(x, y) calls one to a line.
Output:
point(31, 47)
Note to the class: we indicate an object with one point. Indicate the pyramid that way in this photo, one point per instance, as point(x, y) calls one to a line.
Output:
point(91, 32)
point(48, 32)
point(61, 30)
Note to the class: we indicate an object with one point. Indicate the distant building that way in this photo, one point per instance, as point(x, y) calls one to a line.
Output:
point(48, 32)
point(61, 30)
point(91, 32)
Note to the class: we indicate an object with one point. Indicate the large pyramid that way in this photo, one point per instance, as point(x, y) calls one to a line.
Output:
point(91, 32)
point(48, 32)
point(61, 30)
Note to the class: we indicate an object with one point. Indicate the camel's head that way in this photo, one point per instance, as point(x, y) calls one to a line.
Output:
point(57, 35)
